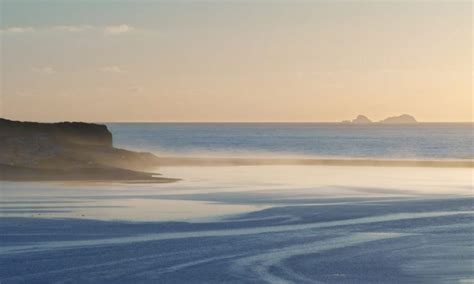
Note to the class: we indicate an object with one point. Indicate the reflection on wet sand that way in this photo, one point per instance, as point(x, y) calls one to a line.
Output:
point(274, 224)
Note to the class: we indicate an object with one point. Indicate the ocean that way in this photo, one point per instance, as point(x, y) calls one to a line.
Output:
point(424, 141)
point(254, 223)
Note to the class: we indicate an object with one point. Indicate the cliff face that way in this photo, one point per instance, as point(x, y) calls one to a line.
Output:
point(65, 145)
point(63, 133)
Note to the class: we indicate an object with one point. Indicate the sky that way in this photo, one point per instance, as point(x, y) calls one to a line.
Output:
point(235, 61)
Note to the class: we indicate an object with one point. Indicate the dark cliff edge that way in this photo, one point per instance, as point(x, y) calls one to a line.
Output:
point(69, 151)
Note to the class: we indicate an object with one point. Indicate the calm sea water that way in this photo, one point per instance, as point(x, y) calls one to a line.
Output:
point(422, 141)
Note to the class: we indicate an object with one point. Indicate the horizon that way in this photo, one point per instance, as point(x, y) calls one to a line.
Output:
point(236, 61)
point(239, 122)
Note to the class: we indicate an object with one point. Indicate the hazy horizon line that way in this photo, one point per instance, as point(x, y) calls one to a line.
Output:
point(241, 122)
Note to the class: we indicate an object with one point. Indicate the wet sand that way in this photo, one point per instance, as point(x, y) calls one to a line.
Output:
point(247, 224)
point(427, 241)
point(223, 161)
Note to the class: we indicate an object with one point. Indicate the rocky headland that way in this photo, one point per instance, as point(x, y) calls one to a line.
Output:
point(69, 151)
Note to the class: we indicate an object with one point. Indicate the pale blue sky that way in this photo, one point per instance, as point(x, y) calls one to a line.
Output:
point(236, 60)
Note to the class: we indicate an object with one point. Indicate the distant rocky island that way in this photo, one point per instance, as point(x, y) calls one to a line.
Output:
point(401, 119)
point(69, 151)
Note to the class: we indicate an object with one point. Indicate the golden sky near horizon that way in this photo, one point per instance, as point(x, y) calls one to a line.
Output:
point(234, 60)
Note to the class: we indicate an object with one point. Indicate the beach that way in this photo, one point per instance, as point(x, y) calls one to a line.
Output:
point(244, 224)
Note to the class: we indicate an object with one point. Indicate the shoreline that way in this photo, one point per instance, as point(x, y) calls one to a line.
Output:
point(100, 174)
point(92, 174)
point(223, 161)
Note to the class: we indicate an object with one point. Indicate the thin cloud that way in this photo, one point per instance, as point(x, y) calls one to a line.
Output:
point(107, 30)
point(22, 94)
point(17, 30)
point(44, 69)
point(111, 69)
point(136, 89)
point(73, 29)
point(66, 93)
point(119, 29)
